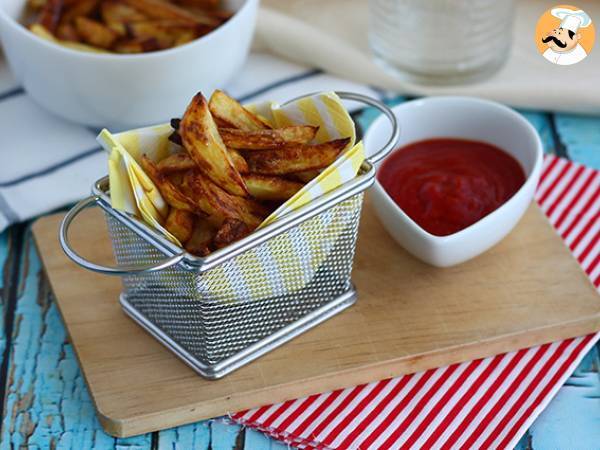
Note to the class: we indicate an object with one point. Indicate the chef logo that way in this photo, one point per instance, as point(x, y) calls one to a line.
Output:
point(565, 35)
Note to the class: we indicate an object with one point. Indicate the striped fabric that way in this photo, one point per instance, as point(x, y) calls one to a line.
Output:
point(487, 403)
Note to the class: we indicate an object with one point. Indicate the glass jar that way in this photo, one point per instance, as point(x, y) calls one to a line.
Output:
point(441, 41)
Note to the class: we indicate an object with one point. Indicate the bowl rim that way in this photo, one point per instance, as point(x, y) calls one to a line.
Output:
point(20, 28)
point(531, 178)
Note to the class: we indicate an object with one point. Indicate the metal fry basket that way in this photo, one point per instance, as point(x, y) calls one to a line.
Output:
point(222, 311)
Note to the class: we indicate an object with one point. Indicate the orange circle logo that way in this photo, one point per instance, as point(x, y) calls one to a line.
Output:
point(565, 35)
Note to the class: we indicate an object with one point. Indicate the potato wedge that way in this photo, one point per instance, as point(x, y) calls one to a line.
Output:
point(201, 139)
point(200, 242)
point(160, 9)
point(67, 32)
point(117, 15)
point(219, 204)
point(176, 163)
point(171, 194)
point(263, 187)
point(180, 224)
point(267, 139)
point(77, 9)
point(50, 15)
point(232, 230)
point(294, 157)
point(238, 161)
point(231, 114)
point(306, 175)
point(137, 45)
point(94, 33)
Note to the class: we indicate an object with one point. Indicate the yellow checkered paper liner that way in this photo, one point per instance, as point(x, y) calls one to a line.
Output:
point(132, 191)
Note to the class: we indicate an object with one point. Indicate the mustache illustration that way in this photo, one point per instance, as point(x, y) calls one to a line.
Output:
point(556, 41)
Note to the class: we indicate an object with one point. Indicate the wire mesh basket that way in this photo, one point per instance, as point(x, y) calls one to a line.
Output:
point(220, 312)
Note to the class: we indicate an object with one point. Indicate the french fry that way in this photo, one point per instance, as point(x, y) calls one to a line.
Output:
point(50, 14)
point(306, 175)
point(78, 8)
point(264, 187)
point(201, 139)
point(171, 194)
point(200, 242)
point(294, 157)
point(151, 30)
point(176, 162)
point(231, 114)
point(137, 45)
point(41, 32)
point(160, 9)
point(181, 161)
point(217, 202)
point(232, 230)
point(117, 15)
point(67, 32)
point(267, 139)
point(204, 4)
point(94, 33)
point(180, 224)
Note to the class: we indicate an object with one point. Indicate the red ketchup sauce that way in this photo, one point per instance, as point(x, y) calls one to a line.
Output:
point(446, 185)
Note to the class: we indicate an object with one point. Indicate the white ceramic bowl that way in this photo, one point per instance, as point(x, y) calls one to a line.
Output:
point(124, 91)
point(465, 118)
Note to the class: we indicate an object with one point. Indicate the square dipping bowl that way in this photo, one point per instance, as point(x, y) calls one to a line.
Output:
point(462, 118)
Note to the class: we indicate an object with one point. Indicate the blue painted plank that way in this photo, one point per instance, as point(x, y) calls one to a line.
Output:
point(255, 440)
point(47, 403)
point(224, 435)
point(581, 137)
point(5, 261)
point(542, 123)
point(194, 436)
point(572, 419)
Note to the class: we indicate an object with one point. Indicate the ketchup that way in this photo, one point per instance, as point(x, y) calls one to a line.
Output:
point(445, 185)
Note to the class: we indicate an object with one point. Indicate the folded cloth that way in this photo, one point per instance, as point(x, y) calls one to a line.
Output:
point(487, 403)
point(303, 31)
point(53, 162)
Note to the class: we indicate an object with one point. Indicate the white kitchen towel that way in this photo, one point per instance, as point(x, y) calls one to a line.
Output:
point(332, 35)
point(48, 162)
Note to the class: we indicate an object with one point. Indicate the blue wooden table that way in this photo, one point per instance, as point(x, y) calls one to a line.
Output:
point(46, 404)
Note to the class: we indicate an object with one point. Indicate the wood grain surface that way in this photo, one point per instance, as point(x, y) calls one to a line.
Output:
point(409, 317)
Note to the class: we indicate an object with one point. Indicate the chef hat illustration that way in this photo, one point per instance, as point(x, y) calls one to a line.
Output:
point(571, 20)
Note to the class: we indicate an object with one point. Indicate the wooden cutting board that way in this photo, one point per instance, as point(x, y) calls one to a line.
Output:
point(409, 317)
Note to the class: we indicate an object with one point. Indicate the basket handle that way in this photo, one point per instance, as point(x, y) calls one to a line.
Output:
point(63, 236)
point(383, 108)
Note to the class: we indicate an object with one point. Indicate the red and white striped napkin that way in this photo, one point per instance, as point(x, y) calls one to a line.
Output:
point(487, 403)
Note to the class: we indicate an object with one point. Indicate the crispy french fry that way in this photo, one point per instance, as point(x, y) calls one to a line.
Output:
point(306, 175)
point(41, 32)
point(137, 45)
point(171, 194)
point(267, 139)
point(151, 30)
point(232, 230)
point(94, 33)
point(203, 143)
point(264, 187)
point(67, 32)
point(232, 114)
point(238, 161)
point(176, 163)
point(78, 8)
point(117, 15)
point(181, 162)
point(160, 9)
point(180, 224)
point(294, 157)
point(217, 202)
point(204, 4)
point(50, 14)
point(200, 242)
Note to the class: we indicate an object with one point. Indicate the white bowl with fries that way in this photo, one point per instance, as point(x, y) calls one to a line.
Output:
point(124, 90)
